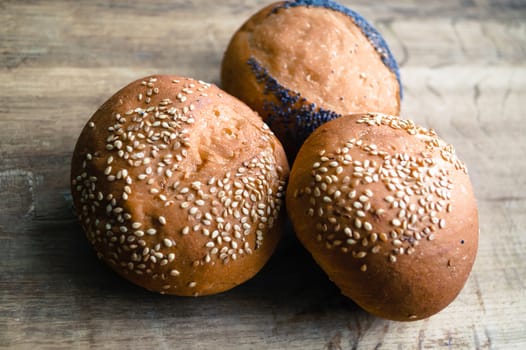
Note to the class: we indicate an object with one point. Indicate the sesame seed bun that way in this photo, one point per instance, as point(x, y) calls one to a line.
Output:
point(387, 210)
point(302, 63)
point(178, 186)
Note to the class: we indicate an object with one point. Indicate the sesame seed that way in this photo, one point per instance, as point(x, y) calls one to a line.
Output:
point(192, 284)
point(162, 220)
point(167, 242)
point(357, 223)
point(363, 198)
point(361, 255)
point(185, 230)
point(174, 273)
point(151, 231)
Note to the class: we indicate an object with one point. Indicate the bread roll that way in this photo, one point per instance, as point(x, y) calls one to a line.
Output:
point(302, 63)
point(179, 186)
point(386, 208)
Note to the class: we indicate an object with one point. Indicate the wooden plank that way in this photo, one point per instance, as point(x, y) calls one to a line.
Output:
point(464, 75)
point(92, 34)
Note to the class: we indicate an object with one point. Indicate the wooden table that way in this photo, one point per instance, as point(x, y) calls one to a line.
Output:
point(464, 74)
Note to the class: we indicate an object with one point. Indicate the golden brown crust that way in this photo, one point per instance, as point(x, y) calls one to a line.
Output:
point(318, 53)
point(178, 186)
point(387, 210)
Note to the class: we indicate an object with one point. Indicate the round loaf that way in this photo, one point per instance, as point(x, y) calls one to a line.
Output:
point(178, 186)
point(302, 63)
point(387, 210)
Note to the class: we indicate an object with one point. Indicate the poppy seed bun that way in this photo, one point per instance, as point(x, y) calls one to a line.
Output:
point(178, 186)
point(387, 210)
point(302, 63)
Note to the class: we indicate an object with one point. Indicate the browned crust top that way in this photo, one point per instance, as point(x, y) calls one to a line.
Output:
point(178, 186)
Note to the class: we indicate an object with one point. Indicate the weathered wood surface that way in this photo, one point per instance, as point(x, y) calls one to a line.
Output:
point(464, 73)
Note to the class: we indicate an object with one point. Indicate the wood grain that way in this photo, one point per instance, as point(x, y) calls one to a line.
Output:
point(464, 74)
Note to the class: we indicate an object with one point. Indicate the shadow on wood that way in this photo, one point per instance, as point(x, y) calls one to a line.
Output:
point(290, 283)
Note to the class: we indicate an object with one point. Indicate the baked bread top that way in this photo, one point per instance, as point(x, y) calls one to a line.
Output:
point(178, 186)
point(387, 210)
point(302, 63)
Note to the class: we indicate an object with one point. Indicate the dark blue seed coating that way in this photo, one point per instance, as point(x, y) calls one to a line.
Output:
point(290, 105)
point(368, 30)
